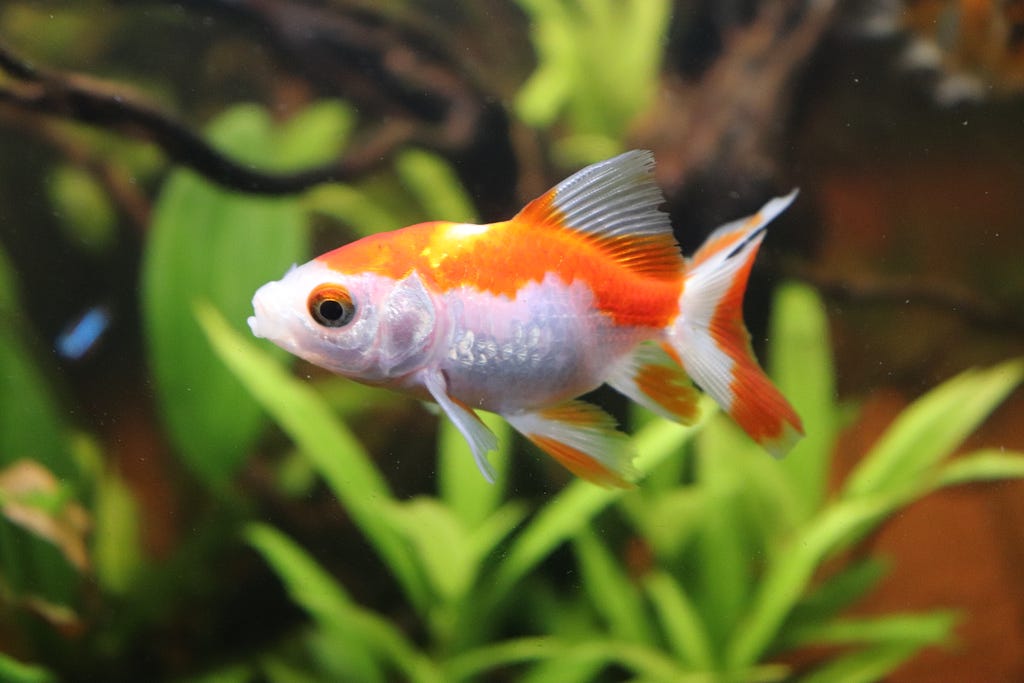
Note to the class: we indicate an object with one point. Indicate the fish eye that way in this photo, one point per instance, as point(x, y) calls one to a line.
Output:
point(331, 306)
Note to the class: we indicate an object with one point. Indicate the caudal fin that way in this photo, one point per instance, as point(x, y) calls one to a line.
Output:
point(712, 341)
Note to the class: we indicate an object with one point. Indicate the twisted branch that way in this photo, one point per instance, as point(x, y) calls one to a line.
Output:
point(98, 103)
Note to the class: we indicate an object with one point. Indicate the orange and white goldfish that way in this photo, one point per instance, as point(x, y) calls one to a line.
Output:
point(586, 285)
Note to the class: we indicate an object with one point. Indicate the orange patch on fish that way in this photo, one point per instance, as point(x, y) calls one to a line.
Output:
point(578, 462)
point(506, 256)
point(671, 389)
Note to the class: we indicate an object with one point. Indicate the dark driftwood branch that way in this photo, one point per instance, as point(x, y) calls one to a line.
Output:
point(97, 103)
point(392, 69)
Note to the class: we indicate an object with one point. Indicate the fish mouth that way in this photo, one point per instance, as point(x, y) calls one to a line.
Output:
point(254, 326)
point(261, 324)
point(272, 320)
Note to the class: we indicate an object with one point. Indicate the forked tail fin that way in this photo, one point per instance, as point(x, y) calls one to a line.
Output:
point(712, 341)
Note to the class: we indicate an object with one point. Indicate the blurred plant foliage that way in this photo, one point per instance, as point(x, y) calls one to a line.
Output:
point(599, 63)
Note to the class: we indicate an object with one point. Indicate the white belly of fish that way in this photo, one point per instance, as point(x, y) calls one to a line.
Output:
point(546, 345)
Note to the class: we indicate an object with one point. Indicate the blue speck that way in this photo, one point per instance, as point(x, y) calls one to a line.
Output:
point(82, 335)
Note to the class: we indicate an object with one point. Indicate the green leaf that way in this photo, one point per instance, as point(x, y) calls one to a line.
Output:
point(461, 486)
point(574, 507)
point(599, 91)
point(865, 666)
point(309, 586)
point(985, 465)
point(801, 365)
point(680, 621)
point(316, 135)
point(316, 592)
point(30, 417)
point(545, 93)
point(440, 542)
point(611, 592)
point(931, 428)
point(435, 186)
point(13, 671)
point(836, 593)
point(210, 244)
point(471, 664)
point(31, 427)
point(790, 570)
point(337, 454)
point(669, 521)
point(593, 653)
point(336, 657)
point(496, 528)
point(919, 629)
point(569, 668)
point(116, 550)
point(83, 207)
point(723, 543)
point(364, 214)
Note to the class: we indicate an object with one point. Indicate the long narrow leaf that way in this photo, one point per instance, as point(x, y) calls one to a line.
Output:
point(13, 671)
point(680, 621)
point(328, 603)
point(790, 571)
point(865, 666)
point(932, 428)
point(801, 365)
point(920, 629)
point(440, 542)
point(211, 244)
point(986, 465)
point(610, 590)
point(835, 594)
point(31, 427)
point(470, 664)
point(724, 542)
point(336, 453)
point(581, 501)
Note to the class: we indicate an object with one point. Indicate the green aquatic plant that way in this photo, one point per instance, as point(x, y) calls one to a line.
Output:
point(738, 541)
point(597, 89)
point(734, 541)
point(206, 242)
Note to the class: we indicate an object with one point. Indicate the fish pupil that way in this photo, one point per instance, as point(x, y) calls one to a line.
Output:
point(331, 306)
point(331, 310)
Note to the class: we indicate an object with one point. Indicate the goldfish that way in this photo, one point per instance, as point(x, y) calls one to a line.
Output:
point(585, 286)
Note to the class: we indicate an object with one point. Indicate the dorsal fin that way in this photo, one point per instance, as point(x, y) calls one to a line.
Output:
point(615, 204)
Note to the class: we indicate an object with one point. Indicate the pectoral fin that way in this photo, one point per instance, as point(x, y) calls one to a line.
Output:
point(481, 439)
point(583, 438)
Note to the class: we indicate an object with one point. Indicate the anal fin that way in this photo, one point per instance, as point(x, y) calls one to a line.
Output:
point(583, 438)
point(652, 378)
point(481, 439)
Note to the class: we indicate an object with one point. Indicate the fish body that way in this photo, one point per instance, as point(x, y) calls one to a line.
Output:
point(585, 286)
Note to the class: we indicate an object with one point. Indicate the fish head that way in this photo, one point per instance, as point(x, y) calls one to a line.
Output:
point(365, 326)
